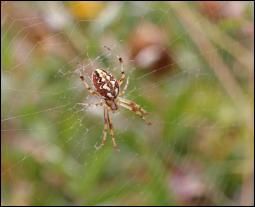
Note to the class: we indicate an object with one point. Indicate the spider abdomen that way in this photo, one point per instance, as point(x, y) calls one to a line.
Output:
point(106, 85)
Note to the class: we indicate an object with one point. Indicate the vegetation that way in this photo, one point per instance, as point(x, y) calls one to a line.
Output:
point(190, 66)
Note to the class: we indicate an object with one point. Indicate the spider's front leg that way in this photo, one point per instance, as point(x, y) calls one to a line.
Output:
point(91, 104)
point(134, 107)
point(108, 124)
point(105, 127)
point(111, 130)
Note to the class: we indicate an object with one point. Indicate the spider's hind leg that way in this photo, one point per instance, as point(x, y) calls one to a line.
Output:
point(122, 93)
point(120, 59)
point(86, 85)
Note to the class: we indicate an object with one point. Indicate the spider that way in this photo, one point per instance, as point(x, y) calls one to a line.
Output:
point(107, 87)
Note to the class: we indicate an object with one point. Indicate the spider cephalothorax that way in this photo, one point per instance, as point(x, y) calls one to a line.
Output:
point(108, 89)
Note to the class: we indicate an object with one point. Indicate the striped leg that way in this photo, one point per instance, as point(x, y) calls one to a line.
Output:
point(105, 126)
point(91, 104)
point(86, 85)
point(111, 131)
point(122, 78)
point(125, 88)
point(132, 106)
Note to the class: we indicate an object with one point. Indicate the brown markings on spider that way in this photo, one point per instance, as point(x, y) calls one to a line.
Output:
point(107, 86)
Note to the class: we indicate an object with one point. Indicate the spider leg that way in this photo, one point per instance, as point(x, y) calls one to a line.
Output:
point(125, 88)
point(86, 85)
point(91, 104)
point(111, 130)
point(122, 78)
point(105, 128)
point(134, 107)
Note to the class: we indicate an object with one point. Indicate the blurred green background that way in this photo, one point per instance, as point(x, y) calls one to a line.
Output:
point(190, 66)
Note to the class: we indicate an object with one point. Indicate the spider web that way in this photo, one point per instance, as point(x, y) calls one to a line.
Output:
point(48, 140)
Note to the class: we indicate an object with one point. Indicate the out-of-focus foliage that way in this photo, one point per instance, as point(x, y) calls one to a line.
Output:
point(190, 65)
